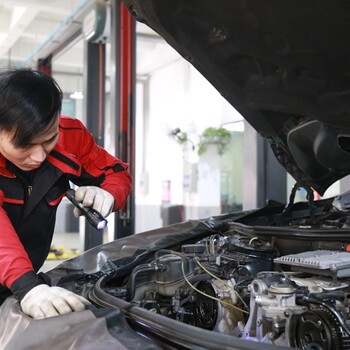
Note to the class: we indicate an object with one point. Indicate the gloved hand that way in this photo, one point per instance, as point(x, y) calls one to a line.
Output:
point(44, 301)
point(95, 197)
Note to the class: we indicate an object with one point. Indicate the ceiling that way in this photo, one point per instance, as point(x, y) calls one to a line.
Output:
point(29, 29)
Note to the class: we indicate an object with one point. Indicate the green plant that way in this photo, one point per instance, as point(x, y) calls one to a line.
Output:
point(215, 136)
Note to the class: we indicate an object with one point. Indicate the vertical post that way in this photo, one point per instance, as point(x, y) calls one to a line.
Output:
point(276, 177)
point(123, 103)
point(94, 98)
point(264, 177)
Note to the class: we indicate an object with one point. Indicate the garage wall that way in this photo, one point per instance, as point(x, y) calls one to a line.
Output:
point(168, 173)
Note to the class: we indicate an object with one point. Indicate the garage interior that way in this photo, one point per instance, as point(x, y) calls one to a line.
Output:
point(135, 93)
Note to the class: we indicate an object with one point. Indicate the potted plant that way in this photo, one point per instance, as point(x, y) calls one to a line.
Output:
point(214, 136)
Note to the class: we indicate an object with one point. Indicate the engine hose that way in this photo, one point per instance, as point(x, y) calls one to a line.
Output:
point(340, 246)
point(195, 279)
point(334, 312)
point(132, 281)
point(338, 295)
point(199, 278)
point(160, 252)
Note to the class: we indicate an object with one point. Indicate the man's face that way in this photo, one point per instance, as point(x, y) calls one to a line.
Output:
point(32, 156)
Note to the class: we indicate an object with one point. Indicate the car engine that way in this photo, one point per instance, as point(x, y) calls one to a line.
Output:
point(242, 286)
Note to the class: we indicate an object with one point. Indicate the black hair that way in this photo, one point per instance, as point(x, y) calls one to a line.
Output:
point(29, 102)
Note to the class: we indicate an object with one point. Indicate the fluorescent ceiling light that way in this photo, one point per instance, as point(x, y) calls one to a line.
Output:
point(17, 13)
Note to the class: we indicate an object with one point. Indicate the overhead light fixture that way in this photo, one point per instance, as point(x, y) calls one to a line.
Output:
point(76, 95)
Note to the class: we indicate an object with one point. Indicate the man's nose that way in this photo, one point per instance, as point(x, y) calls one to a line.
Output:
point(38, 154)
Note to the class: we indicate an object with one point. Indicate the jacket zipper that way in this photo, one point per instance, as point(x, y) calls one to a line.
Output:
point(29, 190)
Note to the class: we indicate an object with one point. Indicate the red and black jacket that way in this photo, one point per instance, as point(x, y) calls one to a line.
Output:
point(28, 210)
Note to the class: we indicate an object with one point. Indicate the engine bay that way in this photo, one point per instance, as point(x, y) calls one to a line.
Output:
point(242, 286)
point(279, 276)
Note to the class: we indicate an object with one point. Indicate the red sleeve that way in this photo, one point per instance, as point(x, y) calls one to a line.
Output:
point(14, 260)
point(118, 184)
point(97, 162)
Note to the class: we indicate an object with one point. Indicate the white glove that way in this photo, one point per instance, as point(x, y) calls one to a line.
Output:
point(95, 197)
point(44, 301)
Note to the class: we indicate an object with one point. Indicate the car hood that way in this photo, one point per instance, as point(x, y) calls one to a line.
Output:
point(284, 65)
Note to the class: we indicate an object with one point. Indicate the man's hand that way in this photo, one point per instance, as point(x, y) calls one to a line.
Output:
point(95, 197)
point(44, 301)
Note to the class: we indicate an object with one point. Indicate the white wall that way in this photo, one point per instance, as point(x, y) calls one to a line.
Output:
point(177, 97)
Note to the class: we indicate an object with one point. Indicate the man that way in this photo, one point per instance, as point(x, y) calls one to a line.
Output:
point(41, 152)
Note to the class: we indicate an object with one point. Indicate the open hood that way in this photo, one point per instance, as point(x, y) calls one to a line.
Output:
point(283, 64)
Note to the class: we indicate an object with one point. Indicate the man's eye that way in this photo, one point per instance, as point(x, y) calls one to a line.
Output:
point(51, 140)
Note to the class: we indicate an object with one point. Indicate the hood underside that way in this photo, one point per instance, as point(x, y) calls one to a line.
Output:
point(283, 64)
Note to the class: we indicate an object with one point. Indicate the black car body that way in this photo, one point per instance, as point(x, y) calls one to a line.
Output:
point(269, 278)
